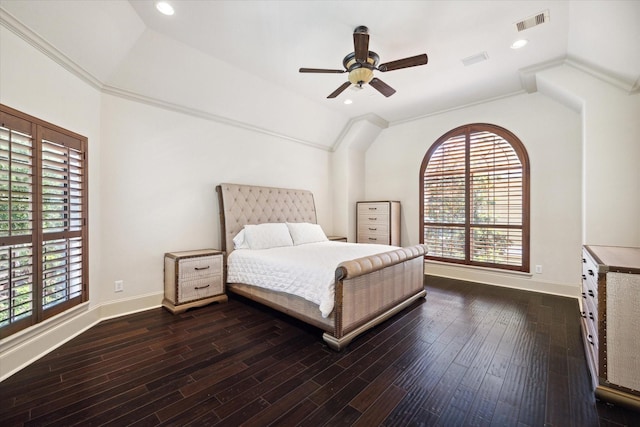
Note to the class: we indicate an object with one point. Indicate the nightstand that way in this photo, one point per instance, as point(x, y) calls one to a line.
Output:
point(193, 279)
point(337, 238)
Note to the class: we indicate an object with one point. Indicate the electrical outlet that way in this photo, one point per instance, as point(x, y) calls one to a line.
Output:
point(538, 269)
point(119, 286)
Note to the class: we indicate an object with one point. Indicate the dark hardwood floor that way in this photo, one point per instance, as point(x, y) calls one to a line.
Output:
point(470, 355)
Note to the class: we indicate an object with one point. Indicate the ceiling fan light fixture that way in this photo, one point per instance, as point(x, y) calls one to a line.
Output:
point(359, 76)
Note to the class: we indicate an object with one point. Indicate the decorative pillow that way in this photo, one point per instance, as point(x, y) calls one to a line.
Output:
point(268, 235)
point(304, 232)
point(239, 242)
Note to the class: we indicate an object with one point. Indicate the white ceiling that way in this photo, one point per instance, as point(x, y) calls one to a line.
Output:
point(269, 40)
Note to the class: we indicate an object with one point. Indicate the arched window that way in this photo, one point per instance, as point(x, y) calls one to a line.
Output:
point(475, 198)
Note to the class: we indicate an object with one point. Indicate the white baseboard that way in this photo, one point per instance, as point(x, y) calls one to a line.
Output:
point(25, 347)
point(507, 279)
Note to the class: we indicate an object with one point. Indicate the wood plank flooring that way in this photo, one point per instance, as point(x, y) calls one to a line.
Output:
point(470, 355)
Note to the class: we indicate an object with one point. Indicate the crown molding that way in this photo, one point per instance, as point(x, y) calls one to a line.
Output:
point(528, 74)
point(457, 107)
point(193, 112)
point(34, 39)
point(604, 75)
point(374, 119)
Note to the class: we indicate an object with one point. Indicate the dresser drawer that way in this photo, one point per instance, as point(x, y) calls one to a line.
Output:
point(369, 238)
point(373, 219)
point(373, 208)
point(372, 229)
point(378, 222)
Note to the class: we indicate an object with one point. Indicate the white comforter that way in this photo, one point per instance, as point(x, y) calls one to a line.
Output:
point(305, 270)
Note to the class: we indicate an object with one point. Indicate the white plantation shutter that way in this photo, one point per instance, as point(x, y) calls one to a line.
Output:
point(17, 292)
point(43, 232)
point(62, 219)
point(475, 198)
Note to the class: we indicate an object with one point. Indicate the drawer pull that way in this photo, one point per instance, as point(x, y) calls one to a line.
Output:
point(591, 273)
point(372, 238)
point(373, 209)
point(372, 229)
point(373, 219)
point(590, 292)
point(202, 287)
point(201, 268)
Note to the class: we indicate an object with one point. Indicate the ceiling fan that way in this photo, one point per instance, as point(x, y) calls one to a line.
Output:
point(361, 62)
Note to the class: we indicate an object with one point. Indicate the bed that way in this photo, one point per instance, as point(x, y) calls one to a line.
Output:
point(366, 290)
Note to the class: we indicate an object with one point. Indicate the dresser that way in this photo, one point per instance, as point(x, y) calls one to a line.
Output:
point(378, 222)
point(193, 279)
point(610, 311)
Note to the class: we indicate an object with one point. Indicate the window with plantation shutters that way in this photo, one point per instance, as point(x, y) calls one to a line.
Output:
point(475, 198)
point(43, 220)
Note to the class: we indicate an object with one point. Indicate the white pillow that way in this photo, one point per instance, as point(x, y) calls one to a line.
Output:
point(268, 235)
point(239, 242)
point(304, 232)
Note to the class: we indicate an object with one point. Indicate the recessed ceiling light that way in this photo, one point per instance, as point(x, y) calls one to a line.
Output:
point(348, 101)
point(519, 43)
point(164, 8)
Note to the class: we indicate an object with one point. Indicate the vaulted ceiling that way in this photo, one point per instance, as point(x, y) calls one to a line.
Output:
point(239, 60)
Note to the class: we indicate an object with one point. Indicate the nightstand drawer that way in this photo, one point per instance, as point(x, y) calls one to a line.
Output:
point(195, 268)
point(193, 279)
point(189, 290)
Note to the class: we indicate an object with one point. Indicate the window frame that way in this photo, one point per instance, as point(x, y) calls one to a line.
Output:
point(59, 179)
point(521, 152)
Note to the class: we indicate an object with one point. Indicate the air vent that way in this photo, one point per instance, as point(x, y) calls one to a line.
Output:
point(532, 21)
point(474, 59)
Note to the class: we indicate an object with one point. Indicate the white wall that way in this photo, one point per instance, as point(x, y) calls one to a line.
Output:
point(35, 85)
point(31, 83)
point(152, 178)
point(551, 134)
point(160, 172)
point(611, 153)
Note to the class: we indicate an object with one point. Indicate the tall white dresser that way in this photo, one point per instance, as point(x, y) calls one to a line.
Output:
point(378, 222)
point(610, 310)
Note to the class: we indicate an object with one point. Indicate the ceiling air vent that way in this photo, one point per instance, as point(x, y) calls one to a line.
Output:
point(474, 59)
point(534, 20)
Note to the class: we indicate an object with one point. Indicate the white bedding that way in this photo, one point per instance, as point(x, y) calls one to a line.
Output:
point(306, 270)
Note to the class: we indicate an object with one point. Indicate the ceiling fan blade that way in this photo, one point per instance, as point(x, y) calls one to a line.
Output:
point(339, 90)
point(382, 87)
point(321, 70)
point(404, 63)
point(361, 45)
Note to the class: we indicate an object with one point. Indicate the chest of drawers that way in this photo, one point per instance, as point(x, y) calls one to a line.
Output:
point(610, 311)
point(193, 279)
point(378, 222)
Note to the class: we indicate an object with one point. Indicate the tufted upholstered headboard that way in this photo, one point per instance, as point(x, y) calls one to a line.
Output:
point(250, 204)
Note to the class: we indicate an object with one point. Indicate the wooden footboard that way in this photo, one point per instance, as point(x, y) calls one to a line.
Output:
point(371, 289)
point(367, 290)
